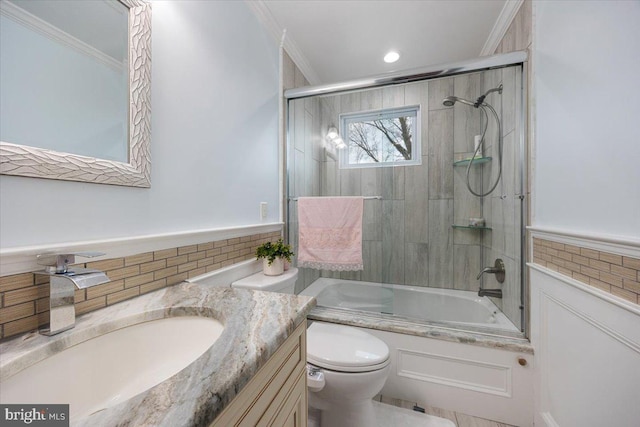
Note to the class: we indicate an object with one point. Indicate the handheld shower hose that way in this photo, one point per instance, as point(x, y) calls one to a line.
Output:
point(484, 106)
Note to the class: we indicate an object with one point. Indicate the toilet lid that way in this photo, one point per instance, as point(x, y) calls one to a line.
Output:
point(345, 349)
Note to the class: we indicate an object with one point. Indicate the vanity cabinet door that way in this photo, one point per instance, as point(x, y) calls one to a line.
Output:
point(275, 391)
point(294, 411)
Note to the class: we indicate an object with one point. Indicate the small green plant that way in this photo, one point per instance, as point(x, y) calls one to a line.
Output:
point(271, 251)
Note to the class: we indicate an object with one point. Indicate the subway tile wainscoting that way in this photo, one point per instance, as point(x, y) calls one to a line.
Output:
point(24, 298)
point(619, 275)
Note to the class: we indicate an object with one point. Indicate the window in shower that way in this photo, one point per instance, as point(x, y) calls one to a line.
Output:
point(381, 138)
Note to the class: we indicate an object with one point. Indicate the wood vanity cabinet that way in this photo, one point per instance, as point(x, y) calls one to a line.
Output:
point(277, 394)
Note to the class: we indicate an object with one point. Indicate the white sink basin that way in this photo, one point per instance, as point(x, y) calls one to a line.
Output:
point(114, 367)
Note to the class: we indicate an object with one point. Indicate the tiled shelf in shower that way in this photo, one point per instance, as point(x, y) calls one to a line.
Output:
point(469, 227)
point(476, 161)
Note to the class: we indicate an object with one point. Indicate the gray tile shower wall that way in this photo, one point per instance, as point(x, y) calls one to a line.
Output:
point(408, 238)
point(501, 210)
point(408, 235)
point(305, 156)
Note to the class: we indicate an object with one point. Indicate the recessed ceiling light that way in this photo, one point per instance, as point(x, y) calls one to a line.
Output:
point(391, 57)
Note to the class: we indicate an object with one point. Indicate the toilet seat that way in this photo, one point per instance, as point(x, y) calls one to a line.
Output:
point(345, 349)
point(348, 369)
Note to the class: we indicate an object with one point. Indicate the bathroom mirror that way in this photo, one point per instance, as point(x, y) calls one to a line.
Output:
point(75, 90)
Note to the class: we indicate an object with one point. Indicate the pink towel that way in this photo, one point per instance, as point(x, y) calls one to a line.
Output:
point(330, 233)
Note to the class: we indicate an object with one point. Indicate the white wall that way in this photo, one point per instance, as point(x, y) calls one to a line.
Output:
point(214, 139)
point(586, 182)
point(587, 170)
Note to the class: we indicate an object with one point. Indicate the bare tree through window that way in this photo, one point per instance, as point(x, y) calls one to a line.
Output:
point(381, 137)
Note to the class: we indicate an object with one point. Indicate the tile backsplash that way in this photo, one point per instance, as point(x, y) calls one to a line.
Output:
point(24, 298)
point(619, 275)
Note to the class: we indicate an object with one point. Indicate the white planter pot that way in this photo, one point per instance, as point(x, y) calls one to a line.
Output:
point(275, 269)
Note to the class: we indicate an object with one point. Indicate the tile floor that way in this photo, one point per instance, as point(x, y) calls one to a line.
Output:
point(460, 420)
point(389, 416)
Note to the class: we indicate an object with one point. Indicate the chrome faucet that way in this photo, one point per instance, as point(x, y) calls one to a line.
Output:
point(499, 271)
point(63, 283)
point(494, 293)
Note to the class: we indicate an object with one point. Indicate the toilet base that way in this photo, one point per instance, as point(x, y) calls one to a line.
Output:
point(345, 399)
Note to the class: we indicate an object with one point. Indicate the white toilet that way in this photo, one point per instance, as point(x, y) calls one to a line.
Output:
point(347, 367)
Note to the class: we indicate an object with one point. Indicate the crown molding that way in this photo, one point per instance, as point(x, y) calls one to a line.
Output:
point(262, 12)
point(264, 15)
point(28, 20)
point(509, 11)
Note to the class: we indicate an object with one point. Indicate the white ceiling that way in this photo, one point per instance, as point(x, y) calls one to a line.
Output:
point(338, 40)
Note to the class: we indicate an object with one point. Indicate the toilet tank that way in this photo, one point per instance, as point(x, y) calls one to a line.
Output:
point(284, 283)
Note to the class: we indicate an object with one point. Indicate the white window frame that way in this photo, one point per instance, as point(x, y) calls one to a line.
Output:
point(416, 151)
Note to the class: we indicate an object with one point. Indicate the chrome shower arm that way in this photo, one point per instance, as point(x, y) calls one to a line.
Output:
point(480, 100)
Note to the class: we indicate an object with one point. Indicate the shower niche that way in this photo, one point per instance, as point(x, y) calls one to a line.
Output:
point(422, 227)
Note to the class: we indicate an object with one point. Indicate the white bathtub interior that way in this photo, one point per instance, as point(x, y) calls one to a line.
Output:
point(455, 307)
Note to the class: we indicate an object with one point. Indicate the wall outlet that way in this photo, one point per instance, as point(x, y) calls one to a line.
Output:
point(264, 210)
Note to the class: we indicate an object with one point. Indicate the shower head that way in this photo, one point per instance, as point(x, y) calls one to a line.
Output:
point(450, 100)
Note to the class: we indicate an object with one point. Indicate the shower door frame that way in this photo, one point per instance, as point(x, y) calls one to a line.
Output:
point(518, 58)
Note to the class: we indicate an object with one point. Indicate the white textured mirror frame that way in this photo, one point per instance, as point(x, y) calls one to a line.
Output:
point(28, 161)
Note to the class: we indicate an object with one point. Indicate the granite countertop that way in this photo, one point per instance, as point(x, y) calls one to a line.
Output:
point(472, 336)
point(255, 325)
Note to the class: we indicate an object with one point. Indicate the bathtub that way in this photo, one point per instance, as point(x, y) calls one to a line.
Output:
point(447, 348)
point(456, 308)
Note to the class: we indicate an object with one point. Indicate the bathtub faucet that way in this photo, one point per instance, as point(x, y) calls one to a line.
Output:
point(494, 293)
point(64, 280)
point(499, 271)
